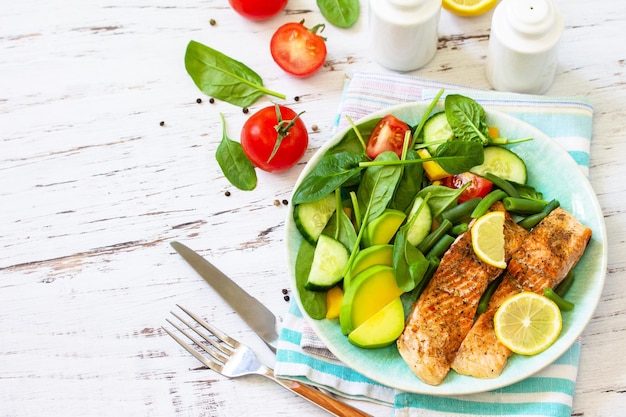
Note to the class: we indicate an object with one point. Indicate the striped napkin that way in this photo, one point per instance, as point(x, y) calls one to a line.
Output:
point(302, 356)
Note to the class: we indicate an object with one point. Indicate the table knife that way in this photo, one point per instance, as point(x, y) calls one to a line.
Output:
point(251, 310)
point(264, 323)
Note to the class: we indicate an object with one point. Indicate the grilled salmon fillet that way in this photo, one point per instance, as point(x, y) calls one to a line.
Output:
point(444, 313)
point(545, 257)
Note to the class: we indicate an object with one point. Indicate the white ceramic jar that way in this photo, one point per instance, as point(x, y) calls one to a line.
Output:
point(522, 52)
point(404, 33)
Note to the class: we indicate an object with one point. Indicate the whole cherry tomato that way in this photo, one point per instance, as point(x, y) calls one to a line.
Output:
point(258, 9)
point(479, 186)
point(388, 135)
point(297, 50)
point(274, 138)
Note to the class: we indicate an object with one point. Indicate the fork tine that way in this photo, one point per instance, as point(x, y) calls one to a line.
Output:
point(212, 329)
point(218, 347)
point(203, 359)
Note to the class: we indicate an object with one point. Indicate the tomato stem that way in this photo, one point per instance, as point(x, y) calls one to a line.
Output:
point(282, 129)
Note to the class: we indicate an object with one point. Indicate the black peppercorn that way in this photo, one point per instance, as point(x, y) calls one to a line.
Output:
point(198, 100)
point(286, 298)
point(211, 100)
point(227, 193)
point(162, 123)
point(285, 202)
point(245, 110)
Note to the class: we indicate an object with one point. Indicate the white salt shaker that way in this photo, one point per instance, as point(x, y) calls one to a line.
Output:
point(522, 53)
point(404, 33)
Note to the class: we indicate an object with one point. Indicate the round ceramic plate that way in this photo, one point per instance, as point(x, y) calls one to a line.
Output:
point(552, 171)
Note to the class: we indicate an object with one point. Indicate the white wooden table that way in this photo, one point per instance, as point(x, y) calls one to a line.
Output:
point(93, 189)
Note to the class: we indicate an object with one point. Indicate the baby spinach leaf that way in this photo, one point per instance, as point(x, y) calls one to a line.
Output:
point(329, 174)
point(224, 78)
point(378, 185)
point(340, 226)
point(467, 119)
point(457, 157)
point(341, 13)
point(350, 141)
point(313, 302)
point(441, 197)
point(409, 185)
point(409, 263)
point(234, 163)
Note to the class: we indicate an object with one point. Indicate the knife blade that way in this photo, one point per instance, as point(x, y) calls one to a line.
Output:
point(252, 311)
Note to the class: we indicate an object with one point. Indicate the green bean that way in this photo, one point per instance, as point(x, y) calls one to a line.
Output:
point(502, 184)
point(563, 304)
point(565, 285)
point(532, 220)
point(432, 238)
point(461, 211)
point(441, 246)
point(484, 299)
point(523, 205)
point(486, 202)
point(458, 229)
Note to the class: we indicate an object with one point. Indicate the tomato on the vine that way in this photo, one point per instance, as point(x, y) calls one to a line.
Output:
point(388, 135)
point(297, 50)
point(258, 10)
point(274, 138)
point(479, 186)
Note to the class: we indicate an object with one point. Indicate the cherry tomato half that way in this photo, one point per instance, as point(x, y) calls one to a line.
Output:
point(388, 135)
point(297, 50)
point(274, 141)
point(258, 9)
point(479, 186)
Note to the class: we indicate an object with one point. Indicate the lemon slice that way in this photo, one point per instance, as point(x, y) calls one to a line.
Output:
point(488, 238)
point(527, 323)
point(469, 7)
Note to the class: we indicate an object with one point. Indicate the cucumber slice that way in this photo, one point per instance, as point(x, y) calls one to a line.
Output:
point(437, 129)
point(329, 262)
point(423, 223)
point(311, 218)
point(502, 163)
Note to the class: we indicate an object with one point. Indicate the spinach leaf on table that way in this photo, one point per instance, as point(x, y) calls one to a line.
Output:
point(234, 163)
point(341, 13)
point(224, 78)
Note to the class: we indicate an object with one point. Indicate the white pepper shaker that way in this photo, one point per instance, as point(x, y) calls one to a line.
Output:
point(522, 53)
point(404, 33)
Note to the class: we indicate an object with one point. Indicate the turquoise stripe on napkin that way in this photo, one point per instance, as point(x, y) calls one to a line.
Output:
point(549, 393)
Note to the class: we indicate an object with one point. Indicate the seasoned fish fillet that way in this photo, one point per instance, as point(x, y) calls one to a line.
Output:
point(545, 257)
point(444, 313)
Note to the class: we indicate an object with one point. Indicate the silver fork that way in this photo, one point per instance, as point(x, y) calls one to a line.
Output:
point(225, 355)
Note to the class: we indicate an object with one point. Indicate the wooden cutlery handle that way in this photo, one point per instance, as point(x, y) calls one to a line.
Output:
point(328, 403)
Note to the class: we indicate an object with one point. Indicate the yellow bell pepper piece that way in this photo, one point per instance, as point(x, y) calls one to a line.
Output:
point(433, 170)
point(334, 297)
